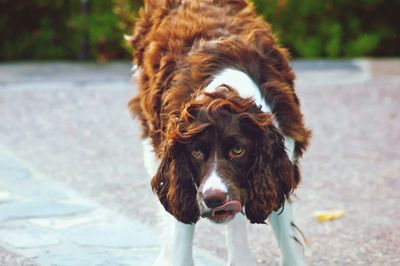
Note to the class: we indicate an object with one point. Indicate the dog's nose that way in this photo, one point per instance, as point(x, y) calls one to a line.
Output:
point(214, 198)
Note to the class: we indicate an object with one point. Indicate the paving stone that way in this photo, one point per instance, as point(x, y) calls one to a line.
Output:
point(4, 196)
point(28, 237)
point(37, 189)
point(32, 198)
point(58, 223)
point(120, 233)
point(31, 209)
point(111, 257)
point(72, 255)
point(11, 170)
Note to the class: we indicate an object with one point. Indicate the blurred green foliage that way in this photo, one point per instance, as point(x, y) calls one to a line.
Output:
point(335, 28)
point(59, 29)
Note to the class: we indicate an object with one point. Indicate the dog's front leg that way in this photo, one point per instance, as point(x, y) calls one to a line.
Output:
point(239, 253)
point(176, 237)
point(292, 253)
point(177, 242)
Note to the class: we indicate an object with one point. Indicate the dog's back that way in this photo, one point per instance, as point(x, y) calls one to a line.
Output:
point(180, 45)
point(176, 25)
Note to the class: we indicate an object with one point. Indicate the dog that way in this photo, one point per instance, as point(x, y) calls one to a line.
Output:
point(221, 124)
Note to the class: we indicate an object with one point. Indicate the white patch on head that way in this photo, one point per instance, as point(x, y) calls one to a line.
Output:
point(247, 88)
point(243, 84)
point(214, 182)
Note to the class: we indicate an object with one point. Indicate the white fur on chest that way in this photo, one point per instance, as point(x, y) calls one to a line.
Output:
point(247, 88)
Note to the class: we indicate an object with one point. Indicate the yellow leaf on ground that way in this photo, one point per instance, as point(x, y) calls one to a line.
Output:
point(324, 216)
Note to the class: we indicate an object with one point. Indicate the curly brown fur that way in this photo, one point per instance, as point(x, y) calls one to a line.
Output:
point(179, 46)
point(173, 184)
point(271, 179)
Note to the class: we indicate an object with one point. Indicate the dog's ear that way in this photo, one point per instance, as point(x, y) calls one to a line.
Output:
point(174, 184)
point(271, 180)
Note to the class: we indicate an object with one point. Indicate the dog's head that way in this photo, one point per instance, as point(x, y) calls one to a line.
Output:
point(222, 153)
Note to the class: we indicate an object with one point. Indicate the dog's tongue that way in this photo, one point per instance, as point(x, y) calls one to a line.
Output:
point(229, 208)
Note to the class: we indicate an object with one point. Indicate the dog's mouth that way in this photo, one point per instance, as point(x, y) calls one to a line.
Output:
point(226, 211)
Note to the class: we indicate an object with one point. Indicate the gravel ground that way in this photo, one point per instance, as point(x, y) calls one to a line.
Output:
point(9, 258)
point(69, 122)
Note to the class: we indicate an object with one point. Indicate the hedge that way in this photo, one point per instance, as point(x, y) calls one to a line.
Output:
point(335, 28)
point(89, 29)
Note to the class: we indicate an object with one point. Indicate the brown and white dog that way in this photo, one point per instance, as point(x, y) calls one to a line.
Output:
point(221, 123)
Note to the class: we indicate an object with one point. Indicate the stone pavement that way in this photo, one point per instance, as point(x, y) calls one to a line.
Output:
point(73, 190)
point(53, 225)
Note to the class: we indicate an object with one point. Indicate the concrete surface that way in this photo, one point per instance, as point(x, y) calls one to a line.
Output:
point(73, 190)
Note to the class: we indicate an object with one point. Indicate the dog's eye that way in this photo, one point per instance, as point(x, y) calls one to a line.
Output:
point(236, 151)
point(198, 154)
